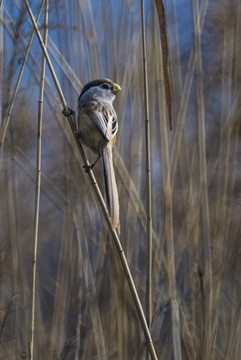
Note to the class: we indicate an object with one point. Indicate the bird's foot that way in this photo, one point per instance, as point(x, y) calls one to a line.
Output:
point(68, 111)
point(88, 167)
point(76, 134)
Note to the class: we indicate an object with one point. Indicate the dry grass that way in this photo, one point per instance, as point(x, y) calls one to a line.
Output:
point(84, 309)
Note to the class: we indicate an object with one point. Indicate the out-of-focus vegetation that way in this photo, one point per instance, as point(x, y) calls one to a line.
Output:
point(84, 309)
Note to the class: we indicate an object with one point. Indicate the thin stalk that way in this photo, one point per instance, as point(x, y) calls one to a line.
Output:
point(81, 272)
point(11, 181)
point(225, 167)
point(203, 191)
point(5, 123)
point(148, 176)
point(99, 197)
point(164, 45)
point(236, 313)
point(38, 182)
point(168, 193)
point(175, 312)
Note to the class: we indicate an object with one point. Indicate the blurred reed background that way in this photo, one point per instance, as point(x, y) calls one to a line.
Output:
point(84, 309)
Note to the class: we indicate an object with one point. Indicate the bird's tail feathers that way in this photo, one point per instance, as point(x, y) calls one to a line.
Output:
point(111, 191)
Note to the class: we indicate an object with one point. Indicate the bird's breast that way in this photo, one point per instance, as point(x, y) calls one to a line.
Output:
point(89, 133)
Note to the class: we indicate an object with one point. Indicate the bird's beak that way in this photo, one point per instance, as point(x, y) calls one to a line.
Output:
point(116, 88)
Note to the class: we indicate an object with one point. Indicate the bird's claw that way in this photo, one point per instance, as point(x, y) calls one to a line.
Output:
point(88, 168)
point(67, 112)
point(76, 134)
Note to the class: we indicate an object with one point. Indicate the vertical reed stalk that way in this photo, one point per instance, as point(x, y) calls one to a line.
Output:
point(236, 313)
point(169, 238)
point(164, 45)
point(207, 336)
point(100, 198)
point(148, 176)
point(225, 156)
point(175, 311)
point(4, 124)
point(80, 271)
point(38, 182)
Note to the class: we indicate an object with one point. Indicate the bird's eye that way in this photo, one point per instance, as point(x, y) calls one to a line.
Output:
point(106, 86)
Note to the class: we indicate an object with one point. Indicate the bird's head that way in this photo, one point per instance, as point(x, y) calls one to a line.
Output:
point(104, 89)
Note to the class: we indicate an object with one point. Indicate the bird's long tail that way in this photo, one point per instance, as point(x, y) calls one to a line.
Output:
point(111, 192)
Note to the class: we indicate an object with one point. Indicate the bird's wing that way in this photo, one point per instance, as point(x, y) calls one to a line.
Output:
point(112, 123)
point(100, 121)
point(105, 120)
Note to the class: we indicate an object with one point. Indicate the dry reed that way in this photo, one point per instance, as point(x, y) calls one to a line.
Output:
point(81, 311)
point(38, 180)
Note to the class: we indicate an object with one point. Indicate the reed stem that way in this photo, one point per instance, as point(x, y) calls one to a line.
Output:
point(148, 176)
point(207, 336)
point(38, 182)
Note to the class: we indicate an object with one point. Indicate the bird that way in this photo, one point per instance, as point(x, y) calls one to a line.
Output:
point(97, 126)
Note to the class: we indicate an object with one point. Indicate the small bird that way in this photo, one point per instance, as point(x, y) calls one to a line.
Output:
point(97, 126)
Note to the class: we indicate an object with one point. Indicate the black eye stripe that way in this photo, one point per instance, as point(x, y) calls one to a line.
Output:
point(106, 86)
